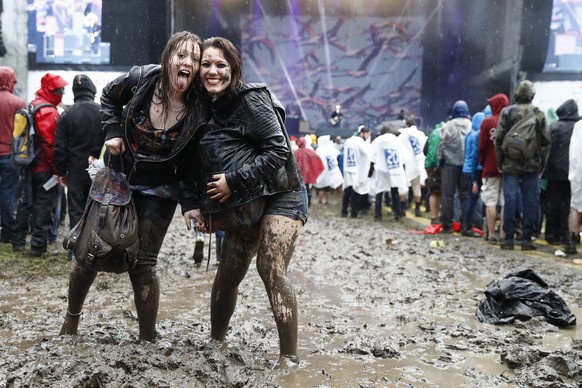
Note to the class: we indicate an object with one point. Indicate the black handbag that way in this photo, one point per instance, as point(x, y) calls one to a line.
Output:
point(106, 237)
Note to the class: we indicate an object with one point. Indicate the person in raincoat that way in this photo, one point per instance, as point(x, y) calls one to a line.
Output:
point(388, 154)
point(310, 165)
point(414, 139)
point(356, 167)
point(331, 177)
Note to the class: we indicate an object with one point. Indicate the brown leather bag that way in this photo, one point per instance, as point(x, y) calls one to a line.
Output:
point(106, 237)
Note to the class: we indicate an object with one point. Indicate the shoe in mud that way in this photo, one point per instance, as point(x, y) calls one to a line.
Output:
point(571, 248)
point(507, 245)
point(470, 233)
point(528, 246)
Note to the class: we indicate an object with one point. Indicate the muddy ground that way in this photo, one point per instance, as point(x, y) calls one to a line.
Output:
point(372, 314)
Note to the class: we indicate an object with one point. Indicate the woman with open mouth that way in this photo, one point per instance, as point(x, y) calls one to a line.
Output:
point(148, 119)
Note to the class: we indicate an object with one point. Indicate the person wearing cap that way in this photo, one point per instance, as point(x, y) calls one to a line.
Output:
point(9, 104)
point(356, 162)
point(78, 138)
point(36, 203)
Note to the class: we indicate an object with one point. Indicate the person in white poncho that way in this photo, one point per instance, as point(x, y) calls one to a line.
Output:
point(331, 178)
point(356, 167)
point(414, 139)
point(388, 155)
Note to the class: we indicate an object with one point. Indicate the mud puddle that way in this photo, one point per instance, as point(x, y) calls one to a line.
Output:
point(372, 314)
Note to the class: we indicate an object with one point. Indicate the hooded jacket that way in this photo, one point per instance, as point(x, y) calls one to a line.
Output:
point(308, 161)
point(9, 104)
point(561, 132)
point(244, 139)
point(487, 155)
point(79, 134)
point(121, 102)
point(509, 116)
point(451, 150)
point(46, 121)
point(471, 165)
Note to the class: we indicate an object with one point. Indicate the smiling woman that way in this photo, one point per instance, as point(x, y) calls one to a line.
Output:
point(245, 162)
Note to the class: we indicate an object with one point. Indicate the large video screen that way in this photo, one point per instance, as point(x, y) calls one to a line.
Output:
point(370, 66)
point(67, 32)
point(565, 44)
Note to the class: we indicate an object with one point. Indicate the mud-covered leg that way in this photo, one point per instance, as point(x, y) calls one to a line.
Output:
point(238, 249)
point(147, 300)
point(80, 281)
point(155, 215)
point(276, 246)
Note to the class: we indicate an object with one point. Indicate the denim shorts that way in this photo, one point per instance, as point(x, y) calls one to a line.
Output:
point(291, 204)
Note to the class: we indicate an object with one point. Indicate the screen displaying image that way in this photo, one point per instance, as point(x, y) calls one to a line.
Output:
point(371, 67)
point(67, 32)
point(565, 45)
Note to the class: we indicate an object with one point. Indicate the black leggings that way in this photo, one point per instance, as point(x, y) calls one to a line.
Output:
point(155, 215)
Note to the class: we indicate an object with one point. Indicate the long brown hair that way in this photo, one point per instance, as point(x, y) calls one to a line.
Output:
point(163, 91)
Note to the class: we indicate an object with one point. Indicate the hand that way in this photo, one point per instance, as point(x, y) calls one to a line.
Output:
point(474, 188)
point(195, 215)
point(218, 189)
point(63, 180)
point(90, 160)
point(115, 145)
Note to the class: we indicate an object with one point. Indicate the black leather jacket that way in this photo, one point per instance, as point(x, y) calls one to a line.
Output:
point(120, 101)
point(243, 137)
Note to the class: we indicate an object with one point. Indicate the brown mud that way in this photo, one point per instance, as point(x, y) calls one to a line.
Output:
point(378, 307)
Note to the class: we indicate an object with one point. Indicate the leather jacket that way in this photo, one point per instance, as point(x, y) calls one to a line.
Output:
point(121, 100)
point(244, 139)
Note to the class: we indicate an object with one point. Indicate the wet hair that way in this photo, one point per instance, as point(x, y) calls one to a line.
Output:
point(232, 56)
point(164, 90)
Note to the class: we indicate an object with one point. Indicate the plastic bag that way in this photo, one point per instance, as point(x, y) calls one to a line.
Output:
point(523, 295)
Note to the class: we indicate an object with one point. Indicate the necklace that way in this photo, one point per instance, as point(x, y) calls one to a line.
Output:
point(177, 110)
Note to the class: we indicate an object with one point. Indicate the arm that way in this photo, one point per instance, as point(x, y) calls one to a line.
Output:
point(545, 139)
point(62, 146)
point(499, 135)
point(116, 94)
point(265, 133)
point(46, 123)
point(483, 143)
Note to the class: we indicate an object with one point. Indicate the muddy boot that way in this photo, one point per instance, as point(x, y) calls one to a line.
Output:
point(147, 300)
point(417, 212)
point(80, 281)
point(403, 205)
point(571, 244)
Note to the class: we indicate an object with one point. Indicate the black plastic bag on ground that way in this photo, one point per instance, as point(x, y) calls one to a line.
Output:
point(523, 295)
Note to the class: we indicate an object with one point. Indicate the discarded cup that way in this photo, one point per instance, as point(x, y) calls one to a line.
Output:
point(559, 253)
point(437, 244)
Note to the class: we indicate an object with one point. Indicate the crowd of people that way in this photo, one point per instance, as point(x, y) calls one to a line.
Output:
point(469, 171)
point(190, 131)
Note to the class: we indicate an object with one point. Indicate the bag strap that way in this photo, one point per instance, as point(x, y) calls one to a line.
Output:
point(122, 166)
point(528, 115)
